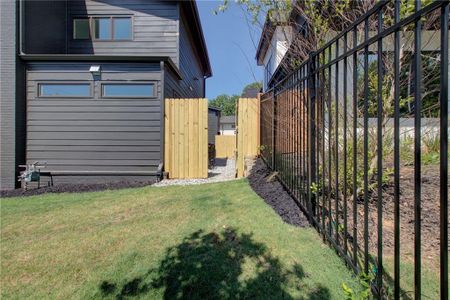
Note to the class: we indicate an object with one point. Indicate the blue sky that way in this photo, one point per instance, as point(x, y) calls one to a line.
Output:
point(231, 40)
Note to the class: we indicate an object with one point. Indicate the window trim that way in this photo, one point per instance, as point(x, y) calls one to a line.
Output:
point(40, 83)
point(92, 29)
point(103, 96)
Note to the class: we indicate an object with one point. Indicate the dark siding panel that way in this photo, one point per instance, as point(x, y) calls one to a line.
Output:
point(192, 85)
point(46, 26)
point(155, 27)
point(94, 134)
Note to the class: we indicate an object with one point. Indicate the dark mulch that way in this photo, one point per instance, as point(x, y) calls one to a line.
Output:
point(274, 194)
point(76, 188)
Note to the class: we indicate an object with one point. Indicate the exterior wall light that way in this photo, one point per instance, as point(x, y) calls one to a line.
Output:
point(95, 70)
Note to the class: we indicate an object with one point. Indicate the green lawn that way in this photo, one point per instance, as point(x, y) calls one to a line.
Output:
point(205, 241)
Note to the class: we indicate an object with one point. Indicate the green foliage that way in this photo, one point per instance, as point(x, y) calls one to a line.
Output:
point(315, 188)
point(365, 293)
point(226, 103)
point(273, 10)
point(430, 150)
point(407, 7)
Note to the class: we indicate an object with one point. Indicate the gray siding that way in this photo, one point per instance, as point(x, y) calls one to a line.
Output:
point(95, 135)
point(193, 83)
point(46, 27)
point(155, 27)
point(7, 93)
point(213, 125)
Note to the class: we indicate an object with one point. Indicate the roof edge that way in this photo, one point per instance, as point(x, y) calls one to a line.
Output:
point(191, 7)
point(93, 57)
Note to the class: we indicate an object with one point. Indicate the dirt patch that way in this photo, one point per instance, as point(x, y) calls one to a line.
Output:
point(274, 194)
point(76, 188)
point(430, 221)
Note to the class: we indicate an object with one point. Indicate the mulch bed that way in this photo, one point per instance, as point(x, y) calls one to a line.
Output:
point(76, 188)
point(275, 195)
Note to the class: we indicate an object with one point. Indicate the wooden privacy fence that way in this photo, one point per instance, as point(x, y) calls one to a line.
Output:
point(225, 146)
point(186, 138)
point(247, 132)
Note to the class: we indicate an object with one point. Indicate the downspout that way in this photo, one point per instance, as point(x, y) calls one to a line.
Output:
point(160, 170)
point(204, 86)
point(21, 27)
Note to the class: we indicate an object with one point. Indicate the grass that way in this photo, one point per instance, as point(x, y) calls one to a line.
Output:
point(206, 241)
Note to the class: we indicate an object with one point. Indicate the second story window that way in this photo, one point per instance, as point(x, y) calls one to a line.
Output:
point(122, 28)
point(103, 28)
point(81, 29)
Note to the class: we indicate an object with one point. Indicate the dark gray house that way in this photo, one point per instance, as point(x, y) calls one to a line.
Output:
point(82, 83)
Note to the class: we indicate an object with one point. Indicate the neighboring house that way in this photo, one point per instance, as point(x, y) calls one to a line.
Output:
point(276, 37)
point(82, 84)
point(213, 124)
point(228, 125)
point(280, 42)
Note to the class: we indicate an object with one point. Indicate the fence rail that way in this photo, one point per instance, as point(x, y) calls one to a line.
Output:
point(360, 185)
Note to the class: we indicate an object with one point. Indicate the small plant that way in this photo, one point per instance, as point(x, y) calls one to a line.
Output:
point(365, 281)
point(315, 188)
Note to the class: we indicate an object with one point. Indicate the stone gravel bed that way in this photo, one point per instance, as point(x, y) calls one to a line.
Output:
point(223, 170)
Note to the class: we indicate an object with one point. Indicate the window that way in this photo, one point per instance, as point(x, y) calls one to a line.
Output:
point(64, 90)
point(131, 90)
point(103, 28)
point(81, 29)
point(122, 28)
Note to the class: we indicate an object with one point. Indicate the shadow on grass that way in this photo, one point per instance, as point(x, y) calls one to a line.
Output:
point(224, 265)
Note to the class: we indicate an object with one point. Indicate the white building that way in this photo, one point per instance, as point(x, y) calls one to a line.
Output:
point(228, 125)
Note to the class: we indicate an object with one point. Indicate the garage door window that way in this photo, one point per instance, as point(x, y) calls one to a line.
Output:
point(64, 90)
point(128, 90)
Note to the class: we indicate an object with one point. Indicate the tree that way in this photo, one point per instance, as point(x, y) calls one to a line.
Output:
point(226, 103)
point(254, 85)
point(318, 22)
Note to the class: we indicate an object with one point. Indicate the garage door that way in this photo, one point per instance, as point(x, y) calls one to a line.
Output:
point(81, 121)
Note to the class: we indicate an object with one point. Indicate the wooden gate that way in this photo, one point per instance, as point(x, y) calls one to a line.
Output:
point(247, 132)
point(225, 146)
point(186, 138)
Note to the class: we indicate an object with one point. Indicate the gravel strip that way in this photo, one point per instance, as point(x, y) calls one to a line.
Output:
point(223, 170)
point(274, 194)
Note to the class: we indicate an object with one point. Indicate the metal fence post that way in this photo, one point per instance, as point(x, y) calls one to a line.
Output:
point(312, 132)
point(274, 130)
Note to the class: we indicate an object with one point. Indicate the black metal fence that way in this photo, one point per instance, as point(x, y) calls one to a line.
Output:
point(333, 130)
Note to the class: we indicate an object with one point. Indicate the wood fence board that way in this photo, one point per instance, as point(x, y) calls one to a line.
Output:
point(225, 146)
point(204, 143)
point(247, 131)
point(185, 138)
